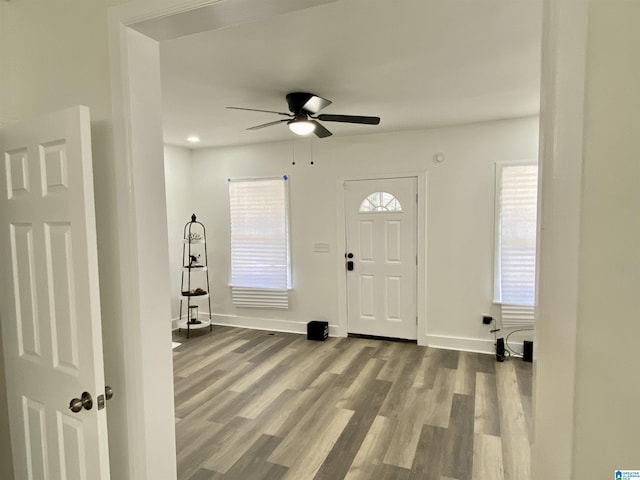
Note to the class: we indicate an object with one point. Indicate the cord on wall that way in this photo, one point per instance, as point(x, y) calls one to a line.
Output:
point(508, 347)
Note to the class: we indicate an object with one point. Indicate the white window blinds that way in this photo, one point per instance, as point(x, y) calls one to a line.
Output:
point(260, 266)
point(516, 214)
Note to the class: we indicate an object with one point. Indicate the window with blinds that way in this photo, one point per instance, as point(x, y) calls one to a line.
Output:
point(260, 259)
point(516, 217)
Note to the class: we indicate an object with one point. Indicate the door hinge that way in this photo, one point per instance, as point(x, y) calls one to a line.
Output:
point(416, 198)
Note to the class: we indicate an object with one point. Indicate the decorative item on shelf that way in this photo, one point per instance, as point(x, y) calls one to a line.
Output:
point(193, 261)
point(194, 286)
point(196, 292)
point(193, 317)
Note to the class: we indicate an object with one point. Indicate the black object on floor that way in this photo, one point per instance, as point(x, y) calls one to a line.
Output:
point(527, 351)
point(317, 330)
point(500, 355)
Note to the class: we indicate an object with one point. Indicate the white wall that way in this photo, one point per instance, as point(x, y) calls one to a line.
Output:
point(609, 326)
point(177, 172)
point(587, 384)
point(460, 212)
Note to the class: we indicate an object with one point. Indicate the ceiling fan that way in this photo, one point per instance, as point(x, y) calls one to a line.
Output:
point(303, 119)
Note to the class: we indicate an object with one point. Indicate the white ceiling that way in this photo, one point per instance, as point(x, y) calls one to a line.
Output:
point(414, 63)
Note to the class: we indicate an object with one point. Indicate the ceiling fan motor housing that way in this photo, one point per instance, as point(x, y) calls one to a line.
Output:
point(300, 117)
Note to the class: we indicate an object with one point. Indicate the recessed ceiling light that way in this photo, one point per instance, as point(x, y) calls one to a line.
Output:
point(193, 139)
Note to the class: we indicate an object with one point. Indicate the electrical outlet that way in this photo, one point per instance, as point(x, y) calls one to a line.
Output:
point(486, 319)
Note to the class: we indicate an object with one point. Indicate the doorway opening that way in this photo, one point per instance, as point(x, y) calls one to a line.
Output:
point(422, 184)
point(382, 259)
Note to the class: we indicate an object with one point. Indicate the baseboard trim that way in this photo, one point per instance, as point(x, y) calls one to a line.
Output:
point(462, 344)
point(278, 325)
point(258, 323)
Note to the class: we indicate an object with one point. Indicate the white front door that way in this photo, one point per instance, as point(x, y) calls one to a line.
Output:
point(50, 306)
point(381, 243)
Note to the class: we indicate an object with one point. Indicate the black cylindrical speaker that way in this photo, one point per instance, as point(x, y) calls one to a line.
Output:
point(527, 351)
point(500, 349)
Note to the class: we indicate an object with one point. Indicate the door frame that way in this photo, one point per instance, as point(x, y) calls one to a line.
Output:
point(143, 445)
point(421, 249)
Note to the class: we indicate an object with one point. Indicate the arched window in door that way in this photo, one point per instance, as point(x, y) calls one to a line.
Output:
point(380, 202)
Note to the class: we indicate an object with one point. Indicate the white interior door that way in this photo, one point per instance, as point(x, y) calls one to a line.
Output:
point(50, 304)
point(381, 237)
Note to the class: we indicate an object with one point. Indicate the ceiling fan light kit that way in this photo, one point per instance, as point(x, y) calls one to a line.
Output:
point(301, 127)
point(303, 118)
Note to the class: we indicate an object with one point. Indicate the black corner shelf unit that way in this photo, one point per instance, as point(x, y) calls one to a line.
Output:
point(194, 285)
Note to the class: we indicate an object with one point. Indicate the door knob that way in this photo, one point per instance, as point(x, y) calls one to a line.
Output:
point(85, 401)
point(349, 261)
point(108, 392)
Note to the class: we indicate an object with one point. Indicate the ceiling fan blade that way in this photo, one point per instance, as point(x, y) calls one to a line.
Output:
point(349, 119)
point(264, 125)
point(315, 104)
point(320, 131)
point(257, 110)
point(306, 102)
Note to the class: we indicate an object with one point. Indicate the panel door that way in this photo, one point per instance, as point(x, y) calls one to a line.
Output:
point(381, 239)
point(50, 304)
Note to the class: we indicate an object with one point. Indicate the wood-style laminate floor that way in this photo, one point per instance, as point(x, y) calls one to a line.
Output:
point(254, 405)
